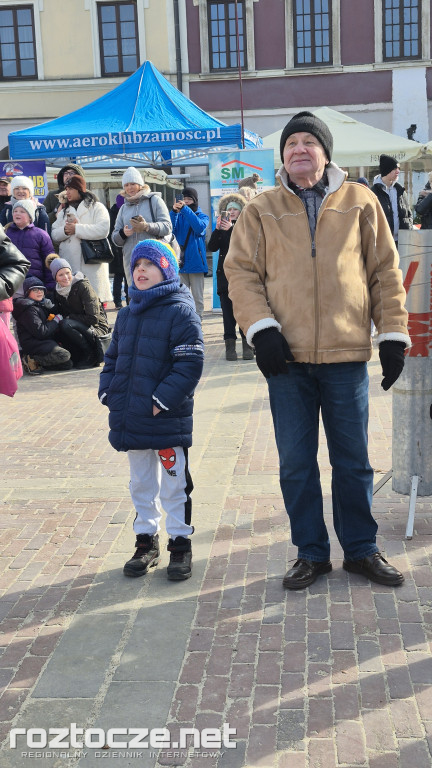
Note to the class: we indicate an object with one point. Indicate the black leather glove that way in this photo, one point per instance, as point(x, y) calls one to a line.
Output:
point(272, 352)
point(392, 358)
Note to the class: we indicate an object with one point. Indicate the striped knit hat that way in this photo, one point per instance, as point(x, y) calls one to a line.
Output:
point(158, 253)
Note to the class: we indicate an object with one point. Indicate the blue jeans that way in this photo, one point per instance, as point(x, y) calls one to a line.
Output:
point(340, 390)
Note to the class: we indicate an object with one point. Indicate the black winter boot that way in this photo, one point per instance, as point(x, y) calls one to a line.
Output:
point(248, 353)
point(146, 555)
point(180, 564)
point(230, 349)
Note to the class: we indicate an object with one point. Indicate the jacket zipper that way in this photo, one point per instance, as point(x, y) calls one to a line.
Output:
point(137, 338)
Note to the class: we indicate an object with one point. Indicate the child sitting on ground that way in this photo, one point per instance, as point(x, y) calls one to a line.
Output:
point(151, 370)
point(39, 329)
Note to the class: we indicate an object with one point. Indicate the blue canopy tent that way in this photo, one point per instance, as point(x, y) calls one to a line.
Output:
point(145, 114)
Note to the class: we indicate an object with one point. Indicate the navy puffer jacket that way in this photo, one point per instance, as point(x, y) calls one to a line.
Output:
point(35, 332)
point(155, 358)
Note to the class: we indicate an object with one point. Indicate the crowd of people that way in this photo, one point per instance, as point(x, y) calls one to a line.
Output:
point(303, 269)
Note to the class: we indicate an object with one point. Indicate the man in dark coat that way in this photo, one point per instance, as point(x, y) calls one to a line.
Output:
point(392, 196)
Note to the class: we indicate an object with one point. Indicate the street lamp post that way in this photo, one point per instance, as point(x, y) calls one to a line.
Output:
point(240, 72)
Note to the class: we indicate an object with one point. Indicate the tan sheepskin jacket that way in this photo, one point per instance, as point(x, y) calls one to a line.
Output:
point(322, 303)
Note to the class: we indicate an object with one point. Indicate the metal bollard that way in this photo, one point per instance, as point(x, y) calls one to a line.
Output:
point(412, 393)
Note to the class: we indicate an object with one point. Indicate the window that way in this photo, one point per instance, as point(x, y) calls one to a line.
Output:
point(17, 43)
point(401, 29)
point(312, 33)
point(118, 38)
point(223, 35)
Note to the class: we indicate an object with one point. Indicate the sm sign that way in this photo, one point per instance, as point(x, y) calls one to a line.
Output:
point(236, 170)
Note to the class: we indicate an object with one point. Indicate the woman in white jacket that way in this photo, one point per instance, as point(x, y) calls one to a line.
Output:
point(82, 218)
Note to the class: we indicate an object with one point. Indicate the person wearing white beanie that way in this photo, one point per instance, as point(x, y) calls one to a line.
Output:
point(143, 215)
point(132, 176)
point(22, 185)
point(22, 188)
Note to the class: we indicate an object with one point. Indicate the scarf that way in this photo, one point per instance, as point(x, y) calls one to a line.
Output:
point(312, 199)
point(134, 199)
point(140, 300)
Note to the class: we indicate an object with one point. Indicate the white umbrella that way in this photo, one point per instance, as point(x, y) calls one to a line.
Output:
point(356, 144)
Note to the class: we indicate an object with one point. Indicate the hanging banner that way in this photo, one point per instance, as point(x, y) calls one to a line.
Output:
point(226, 169)
point(34, 169)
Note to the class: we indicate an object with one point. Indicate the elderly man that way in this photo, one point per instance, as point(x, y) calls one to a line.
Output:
point(310, 263)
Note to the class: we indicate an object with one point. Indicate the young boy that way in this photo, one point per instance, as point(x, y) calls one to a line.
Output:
point(151, 369)
point(39, 330)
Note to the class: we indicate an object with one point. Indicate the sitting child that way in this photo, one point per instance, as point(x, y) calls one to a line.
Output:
point(39, 329)
point(152, 367)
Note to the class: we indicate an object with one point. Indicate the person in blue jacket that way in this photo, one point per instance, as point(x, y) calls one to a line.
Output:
point(152, 367)
point(189, 225)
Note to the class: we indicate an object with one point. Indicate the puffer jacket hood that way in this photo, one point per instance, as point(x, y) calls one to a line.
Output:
point(22, 302)
point(71, 167)
point(230, 197)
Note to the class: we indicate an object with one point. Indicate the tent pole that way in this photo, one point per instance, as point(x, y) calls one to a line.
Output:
point(240, 74)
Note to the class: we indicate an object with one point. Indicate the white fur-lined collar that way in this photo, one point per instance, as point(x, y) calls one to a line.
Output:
point(336, 176)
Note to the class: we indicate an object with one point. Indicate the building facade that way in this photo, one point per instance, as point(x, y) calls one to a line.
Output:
point(367, 58)
point(58, 55)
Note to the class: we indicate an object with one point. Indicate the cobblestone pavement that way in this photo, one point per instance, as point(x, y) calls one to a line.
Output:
point(337, 675)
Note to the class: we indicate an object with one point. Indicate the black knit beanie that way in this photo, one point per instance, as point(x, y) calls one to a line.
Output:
point(191, 192)
point(308, 123)
point(387, 164)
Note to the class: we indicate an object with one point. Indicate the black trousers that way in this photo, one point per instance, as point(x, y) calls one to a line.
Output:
point(78, 339)
point(229, 321)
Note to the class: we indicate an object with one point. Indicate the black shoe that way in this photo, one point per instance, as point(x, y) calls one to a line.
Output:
point(146, 555)
point(375, 568)
point(180, 564)
point(304, 573)
point(248, 353)
point(88, 362)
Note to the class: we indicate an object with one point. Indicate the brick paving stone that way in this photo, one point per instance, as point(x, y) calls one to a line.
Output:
point(321, 753)
point(414, 752)
point(379, 730)
point(261, 747)
point(292, 694)
point(265, 704)
point(346, 702)
point(350, 744)
point(291, 729)
point(387, 760)
point(373, 691)
point(399, 682)
point(320, 718)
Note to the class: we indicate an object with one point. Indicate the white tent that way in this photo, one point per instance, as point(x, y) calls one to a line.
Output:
point(356, 144)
